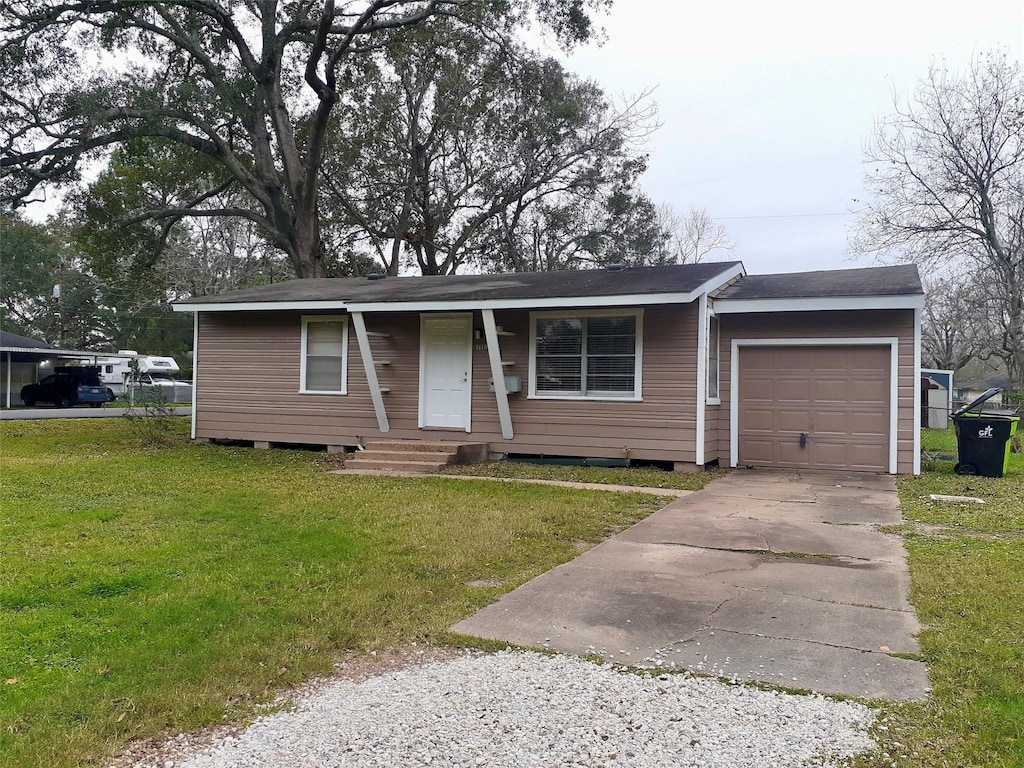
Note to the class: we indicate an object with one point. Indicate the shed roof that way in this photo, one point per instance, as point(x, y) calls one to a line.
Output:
point(10, 340)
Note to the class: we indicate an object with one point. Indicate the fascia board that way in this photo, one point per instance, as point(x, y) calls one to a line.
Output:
point(468, 305)
point(749, 306)
point(260, 306)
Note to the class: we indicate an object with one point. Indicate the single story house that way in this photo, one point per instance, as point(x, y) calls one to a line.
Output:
point(687, 364)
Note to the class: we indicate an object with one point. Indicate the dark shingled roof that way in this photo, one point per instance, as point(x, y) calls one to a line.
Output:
point(22, 342)
point(902, 280)
point(520, 285)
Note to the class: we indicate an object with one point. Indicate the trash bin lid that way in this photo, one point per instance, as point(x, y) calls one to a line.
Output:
point(978, 401)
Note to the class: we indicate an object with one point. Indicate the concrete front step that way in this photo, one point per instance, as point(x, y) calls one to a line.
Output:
point(385, 455)
point(415, 455)
point(417, 446)
point(396, 465)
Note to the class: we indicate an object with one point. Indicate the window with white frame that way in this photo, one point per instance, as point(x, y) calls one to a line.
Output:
point(324, 355)
point(714, 339)
point(586, 355)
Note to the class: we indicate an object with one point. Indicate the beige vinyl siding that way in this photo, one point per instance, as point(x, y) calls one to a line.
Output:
point(248, 389)
point(846, 324)
point(711, 426)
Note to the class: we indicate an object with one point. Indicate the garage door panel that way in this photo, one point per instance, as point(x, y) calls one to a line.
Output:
point(761, 451)
point(870, 423)
point(788, 452)
point(838, 396)
point(834, 422)
point(790, 390)
point(789, 420)
point(758, 388)
point(864, 455)
point(830, 389)
point(761, 420)
point(869, 391)
point(832, 453)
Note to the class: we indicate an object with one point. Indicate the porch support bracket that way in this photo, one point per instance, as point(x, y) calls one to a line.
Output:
point(497, 373)
point(371, 372)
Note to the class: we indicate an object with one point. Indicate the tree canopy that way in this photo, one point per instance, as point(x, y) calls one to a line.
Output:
point(458, 134)
point(249, 88)
point(947, 192)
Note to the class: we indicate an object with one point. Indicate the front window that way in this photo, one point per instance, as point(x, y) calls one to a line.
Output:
point(592, 356)
point(324, 355)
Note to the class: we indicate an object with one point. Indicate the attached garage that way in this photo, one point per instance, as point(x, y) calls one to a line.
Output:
point(815, 407)
point(819, 370)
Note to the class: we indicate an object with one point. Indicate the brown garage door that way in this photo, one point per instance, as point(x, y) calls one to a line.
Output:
point(837, 396)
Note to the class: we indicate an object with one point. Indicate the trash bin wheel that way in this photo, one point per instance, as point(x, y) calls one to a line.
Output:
point(965, 469)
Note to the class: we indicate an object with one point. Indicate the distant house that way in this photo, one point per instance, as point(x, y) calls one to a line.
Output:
point(968, 390)
point(690, 365)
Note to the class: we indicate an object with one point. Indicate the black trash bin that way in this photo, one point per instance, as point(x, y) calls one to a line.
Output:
point(983, 439)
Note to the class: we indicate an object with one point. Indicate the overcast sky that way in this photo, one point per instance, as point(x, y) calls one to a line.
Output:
point(766, 107)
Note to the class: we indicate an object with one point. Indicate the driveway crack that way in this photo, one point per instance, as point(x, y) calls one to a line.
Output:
point(800, 640)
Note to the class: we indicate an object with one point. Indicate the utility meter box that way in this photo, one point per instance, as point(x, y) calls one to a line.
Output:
point(513, 384)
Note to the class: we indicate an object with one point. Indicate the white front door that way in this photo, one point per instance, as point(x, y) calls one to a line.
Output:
point(446, 361)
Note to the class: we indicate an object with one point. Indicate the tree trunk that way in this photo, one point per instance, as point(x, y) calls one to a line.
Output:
point(307, 246)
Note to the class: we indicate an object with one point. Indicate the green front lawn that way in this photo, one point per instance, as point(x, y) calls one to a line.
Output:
point(967, 584)
point(149, 590)
point(634, 476)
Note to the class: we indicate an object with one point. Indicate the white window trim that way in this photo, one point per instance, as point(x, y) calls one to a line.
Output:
point(636, 313)
point(306, 320)
point(892, 342)
point(712, 315)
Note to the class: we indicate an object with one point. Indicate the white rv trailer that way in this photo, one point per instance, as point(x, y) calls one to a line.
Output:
point(154, 371)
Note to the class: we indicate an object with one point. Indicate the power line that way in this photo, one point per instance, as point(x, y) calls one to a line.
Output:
point(783, 216)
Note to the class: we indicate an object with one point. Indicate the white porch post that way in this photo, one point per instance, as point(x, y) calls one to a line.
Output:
point(9, 363)
point(195, 372)
point(702, 377)
point(371, 372)
point(497, 373)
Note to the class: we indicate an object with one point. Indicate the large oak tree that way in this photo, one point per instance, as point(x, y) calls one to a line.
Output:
point(463, 133)
point(253, 85)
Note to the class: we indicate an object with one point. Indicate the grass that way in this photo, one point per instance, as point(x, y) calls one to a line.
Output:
point(150, 590)
point(967, 584)
point(635, 476)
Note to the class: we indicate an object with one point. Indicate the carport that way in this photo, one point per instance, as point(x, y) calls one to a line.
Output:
point(22, 357)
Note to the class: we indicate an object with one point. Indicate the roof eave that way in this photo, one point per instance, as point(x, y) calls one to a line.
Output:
point(617, 300)
point(812, 304)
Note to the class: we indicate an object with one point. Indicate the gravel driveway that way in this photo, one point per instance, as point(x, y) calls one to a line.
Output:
point(527, 709)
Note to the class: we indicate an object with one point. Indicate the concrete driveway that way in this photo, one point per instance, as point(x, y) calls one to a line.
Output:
point(773, 576)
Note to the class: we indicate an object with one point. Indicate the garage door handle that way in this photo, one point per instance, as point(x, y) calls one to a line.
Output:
point(803, 439)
